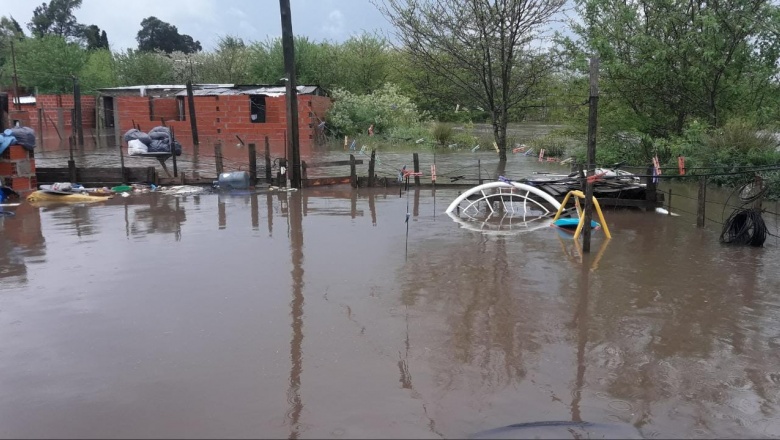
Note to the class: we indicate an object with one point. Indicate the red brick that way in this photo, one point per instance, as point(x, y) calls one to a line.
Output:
point(17, 152)
point(7, 169)
point(21, 184)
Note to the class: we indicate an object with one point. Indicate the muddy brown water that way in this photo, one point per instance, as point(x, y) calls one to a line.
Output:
point(312, 315)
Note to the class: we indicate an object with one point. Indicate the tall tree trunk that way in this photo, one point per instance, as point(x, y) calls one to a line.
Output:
point(500, 121)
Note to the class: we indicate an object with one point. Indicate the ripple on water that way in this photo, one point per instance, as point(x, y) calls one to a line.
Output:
point(620, 405)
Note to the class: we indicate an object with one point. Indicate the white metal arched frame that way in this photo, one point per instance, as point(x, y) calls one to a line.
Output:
point(523, 191)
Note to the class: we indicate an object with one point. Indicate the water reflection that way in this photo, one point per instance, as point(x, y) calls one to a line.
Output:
point(155, 213)
point(296, 306)
point(21, 240)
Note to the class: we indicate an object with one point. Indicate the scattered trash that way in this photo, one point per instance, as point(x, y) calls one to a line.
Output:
point(125, 194)
point(182, 190)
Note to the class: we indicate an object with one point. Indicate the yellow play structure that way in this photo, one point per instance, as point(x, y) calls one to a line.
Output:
point(580, 214)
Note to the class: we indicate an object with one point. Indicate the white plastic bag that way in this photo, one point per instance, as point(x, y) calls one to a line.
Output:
point(136, 147)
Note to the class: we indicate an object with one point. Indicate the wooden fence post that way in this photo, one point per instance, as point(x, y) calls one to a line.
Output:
point(252, 164)
point(371, 168)
point(651, 196)
point(700, 210)
point(268, 176)
point(218, 157)
point(416, 161)
point(71, 162)
point(173, 152)
point(353, 180)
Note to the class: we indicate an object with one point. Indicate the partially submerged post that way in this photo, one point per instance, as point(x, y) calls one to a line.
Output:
point(252, 164)
point(353, 171)
point(288, 48)
point(592, 126)
point(218, 156)
point(416, 162)
point(193, 119)
point(71, 162)
point(268, 176)
point(371, 167)
point(122, 163)
point(173, 152)
point(700, 210)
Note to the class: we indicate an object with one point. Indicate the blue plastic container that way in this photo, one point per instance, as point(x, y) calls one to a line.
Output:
point(234, 180)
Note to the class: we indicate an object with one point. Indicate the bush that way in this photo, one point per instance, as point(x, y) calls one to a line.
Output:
point(441, 132)
point(386, 108)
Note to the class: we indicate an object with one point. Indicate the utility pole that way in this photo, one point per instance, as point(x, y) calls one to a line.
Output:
point(592, 125)
point(17, 102)
point(288, 47)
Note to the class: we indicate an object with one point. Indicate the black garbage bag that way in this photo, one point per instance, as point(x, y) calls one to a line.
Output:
point(25, 136)
point(134, 133)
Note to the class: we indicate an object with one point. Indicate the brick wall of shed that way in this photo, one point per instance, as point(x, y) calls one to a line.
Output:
point(47, 107)
point(223, 117)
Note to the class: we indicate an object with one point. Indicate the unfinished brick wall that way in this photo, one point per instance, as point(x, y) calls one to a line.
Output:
point(165, 109)
point(48, 107)
point(222, 117)
point(17, 169)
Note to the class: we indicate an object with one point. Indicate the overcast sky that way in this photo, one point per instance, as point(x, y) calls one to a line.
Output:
point(207, 20)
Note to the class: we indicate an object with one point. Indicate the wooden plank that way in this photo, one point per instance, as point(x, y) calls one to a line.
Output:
point(322, 181)
point(333, 163)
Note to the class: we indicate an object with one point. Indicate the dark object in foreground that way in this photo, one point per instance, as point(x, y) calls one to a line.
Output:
point(744, 226)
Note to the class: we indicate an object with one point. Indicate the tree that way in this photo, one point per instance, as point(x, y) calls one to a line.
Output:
point(94, 38)
point(56, 18)
point(668, 62)
point(135, 67)
point(49, 63)
point(156, 34)
point(483, 47)
point(364, 62)
point(228, 64)
point(99, 71)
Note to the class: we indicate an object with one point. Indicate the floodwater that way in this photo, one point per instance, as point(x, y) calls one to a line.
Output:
point(323, 314)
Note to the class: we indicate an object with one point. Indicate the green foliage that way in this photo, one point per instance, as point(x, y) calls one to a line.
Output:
point(385, 108)
point(136, 67)
point(94, 38)
point(49, 63)
point(666, 63)
point(56, 18)
point(99, 71)
point(441, 132)
point(156, 34)
point(228, 64)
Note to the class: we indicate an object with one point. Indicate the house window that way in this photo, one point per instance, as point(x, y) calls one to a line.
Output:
point(257, 108)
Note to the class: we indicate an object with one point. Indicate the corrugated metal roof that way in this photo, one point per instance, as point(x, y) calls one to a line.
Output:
point(250, 90)
point(164, 87)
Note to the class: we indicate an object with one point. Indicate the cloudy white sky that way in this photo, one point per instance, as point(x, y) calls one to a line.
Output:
point(207, 20)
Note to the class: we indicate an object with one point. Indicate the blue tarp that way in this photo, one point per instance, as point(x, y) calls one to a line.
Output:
point(6, 141)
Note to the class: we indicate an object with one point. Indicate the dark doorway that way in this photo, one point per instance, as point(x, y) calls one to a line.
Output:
point(108, 111)
point(257, 108)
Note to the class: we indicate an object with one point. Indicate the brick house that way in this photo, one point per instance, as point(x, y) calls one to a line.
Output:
point(224, 113)
point(46, 112)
